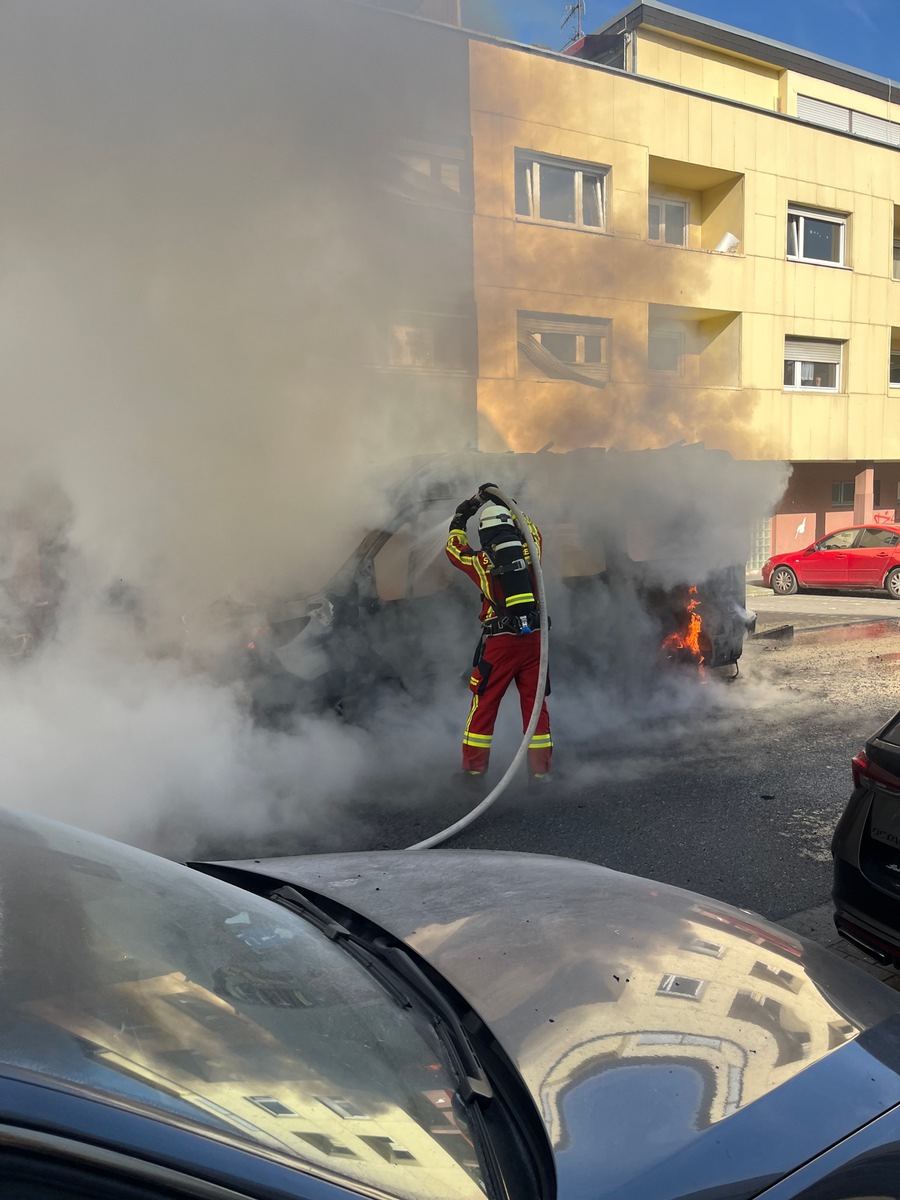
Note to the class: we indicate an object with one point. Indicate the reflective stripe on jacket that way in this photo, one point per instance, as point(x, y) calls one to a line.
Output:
point(477, 565)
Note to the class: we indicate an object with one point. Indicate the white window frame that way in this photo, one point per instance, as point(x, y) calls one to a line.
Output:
point(808, 343)
point(265, 1102)
point(674, 201)
point(537, 324)
point(699, 945)
point(532, 163)
point(671, 985)
point(667, 335)
point(803, 214)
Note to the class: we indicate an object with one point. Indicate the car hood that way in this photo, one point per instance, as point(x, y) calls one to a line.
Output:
point(671, 1044)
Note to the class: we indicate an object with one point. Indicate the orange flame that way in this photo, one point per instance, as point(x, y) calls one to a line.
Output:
point(688, 643)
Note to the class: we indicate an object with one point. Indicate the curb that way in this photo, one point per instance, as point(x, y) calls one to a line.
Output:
point(838, 631)
point(849, 631)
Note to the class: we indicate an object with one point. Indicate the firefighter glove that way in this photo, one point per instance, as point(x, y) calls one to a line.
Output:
point(491, 497)
point(468, 508)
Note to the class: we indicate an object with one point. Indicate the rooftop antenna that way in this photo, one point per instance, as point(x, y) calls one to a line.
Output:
point(575, 10)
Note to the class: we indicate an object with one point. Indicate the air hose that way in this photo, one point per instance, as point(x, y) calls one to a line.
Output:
point(502, 784)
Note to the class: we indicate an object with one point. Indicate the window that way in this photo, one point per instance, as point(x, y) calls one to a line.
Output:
point(665, 350)
point(560, 191)
point(425, 341)
point(273, 1107)
point(812, 364)
point(837, 541)
point(848, 120)
point(668, 221)
point(431, 172)
point(326, 1145)
point(558, 346)
point(814, 236)
point(184, 932)
point(680, 985)
point(843, 493)
point(784, 1026)
point(878, 539)
point(389, 1150)
point(343, 1107)
point(777, 975)
point(894, 368)
point(699, 946)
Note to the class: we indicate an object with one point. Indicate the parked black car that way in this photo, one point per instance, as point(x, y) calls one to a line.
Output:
point(437, 1024)
point(866, 850)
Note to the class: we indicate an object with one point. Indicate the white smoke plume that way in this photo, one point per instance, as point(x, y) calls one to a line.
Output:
point(198, 255)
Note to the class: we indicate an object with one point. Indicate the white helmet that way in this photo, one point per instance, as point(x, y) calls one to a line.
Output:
point(495, 517)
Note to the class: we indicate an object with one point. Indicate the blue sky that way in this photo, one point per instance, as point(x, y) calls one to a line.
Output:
point(862, 33)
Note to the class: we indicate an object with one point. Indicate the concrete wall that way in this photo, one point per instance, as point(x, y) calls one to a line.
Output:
point(703, 69)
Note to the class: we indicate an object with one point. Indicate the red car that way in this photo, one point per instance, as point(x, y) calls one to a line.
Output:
point(866, 556)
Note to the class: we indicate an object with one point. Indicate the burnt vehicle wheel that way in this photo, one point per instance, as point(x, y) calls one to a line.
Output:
point(783, 581)
point(892, 583)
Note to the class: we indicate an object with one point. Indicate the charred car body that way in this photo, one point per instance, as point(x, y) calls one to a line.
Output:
point(640, 548)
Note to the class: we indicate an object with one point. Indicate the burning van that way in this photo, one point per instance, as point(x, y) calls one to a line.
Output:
point(644, 563)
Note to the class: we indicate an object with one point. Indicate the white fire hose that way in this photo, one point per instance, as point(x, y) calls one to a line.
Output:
point(501, 786)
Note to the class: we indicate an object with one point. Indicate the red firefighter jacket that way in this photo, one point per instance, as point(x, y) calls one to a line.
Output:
point(477, 565)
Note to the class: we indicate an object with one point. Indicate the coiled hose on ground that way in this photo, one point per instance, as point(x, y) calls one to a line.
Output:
point(502, 784)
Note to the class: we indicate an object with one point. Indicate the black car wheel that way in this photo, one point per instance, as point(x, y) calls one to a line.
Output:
point(784, 581)
point(892, 583)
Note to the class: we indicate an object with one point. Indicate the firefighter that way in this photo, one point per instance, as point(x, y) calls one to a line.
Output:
point(510, 644)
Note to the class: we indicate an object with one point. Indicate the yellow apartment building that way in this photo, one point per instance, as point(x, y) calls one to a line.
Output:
point(676, 231)
point(686, 231)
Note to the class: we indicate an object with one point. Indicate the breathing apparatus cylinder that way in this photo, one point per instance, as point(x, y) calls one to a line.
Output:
point(502, 542)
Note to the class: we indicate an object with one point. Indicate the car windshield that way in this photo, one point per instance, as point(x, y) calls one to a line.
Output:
point(137, 978)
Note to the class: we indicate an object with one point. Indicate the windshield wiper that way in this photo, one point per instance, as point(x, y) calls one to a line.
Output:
point(380, 953)
point(392, 965)
point(355, 947)
point(473, 1082)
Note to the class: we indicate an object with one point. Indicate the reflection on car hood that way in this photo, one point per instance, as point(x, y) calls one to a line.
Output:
point(671, 1044)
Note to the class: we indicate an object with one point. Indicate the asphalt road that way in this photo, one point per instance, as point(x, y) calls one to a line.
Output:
point(727, 788)
point(731, 789)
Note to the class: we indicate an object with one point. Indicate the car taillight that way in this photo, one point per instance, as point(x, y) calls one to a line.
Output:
point(864, 770)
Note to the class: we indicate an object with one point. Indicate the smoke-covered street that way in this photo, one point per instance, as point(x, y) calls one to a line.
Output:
point(737, 797)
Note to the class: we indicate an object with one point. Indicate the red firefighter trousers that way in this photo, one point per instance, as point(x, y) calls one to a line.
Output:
point(506, 657)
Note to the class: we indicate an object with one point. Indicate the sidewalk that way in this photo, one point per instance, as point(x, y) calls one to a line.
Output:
point(824, 616)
